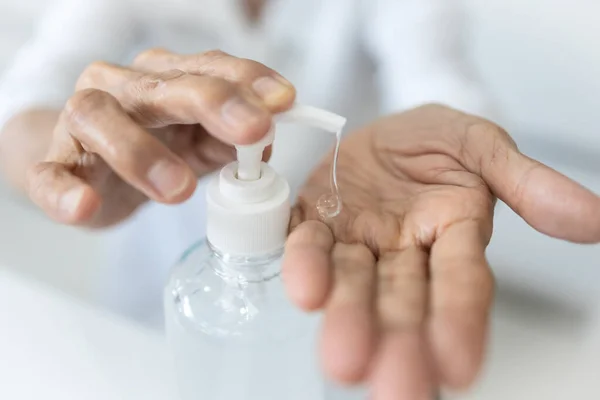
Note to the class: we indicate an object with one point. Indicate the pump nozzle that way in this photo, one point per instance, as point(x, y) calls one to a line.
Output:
point(314, 117)
point(249, 204)
point(250, 156)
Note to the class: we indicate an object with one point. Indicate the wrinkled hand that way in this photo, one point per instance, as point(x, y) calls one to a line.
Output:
point(401, 274)
point(148, 131)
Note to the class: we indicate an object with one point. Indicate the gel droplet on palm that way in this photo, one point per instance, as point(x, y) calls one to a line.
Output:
point(329, 205)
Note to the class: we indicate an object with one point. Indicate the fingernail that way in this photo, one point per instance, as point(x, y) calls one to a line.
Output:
point(240, 112)
point(168, 178)
point(69, 202)
point(272, 90)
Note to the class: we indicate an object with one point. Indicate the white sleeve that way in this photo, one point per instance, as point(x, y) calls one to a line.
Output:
point(71, 35)
point(417, 46)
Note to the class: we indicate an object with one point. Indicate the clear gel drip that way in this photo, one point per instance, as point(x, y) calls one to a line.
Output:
point(330, 205)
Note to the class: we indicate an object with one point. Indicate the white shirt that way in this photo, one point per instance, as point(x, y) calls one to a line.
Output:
point(358, 58)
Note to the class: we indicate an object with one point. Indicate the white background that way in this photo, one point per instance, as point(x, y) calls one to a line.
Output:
point(539, 57)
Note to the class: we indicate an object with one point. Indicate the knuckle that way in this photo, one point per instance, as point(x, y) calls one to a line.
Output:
point(85, 102)
point(521, 187)
point(89, 76)
point(402, 292)
point(483, 127)
point(376, 229)
point(208, 90)
point(388, 271)
point(210, 56)
point(395, 273)
point(488, 129)
point(354, 256)
point(97, 66)
point(243, 69)
point(149, 54)
point(210, 62)
point(467, 288)
point(485, 145)
point(399, 310)
point(362, 253)
point(498, 153)
point(218, 63)
point(153, 81)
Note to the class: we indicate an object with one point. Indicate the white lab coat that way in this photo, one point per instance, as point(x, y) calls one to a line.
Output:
point(355, 57)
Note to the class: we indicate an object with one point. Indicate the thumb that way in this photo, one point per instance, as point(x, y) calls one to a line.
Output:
point(549, 201)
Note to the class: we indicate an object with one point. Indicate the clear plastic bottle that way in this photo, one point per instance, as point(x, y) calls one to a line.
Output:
point(232, 331)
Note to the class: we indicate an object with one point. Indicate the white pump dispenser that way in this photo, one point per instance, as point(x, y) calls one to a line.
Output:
point(249, 203)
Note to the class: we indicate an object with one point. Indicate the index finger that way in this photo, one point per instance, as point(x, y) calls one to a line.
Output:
point(277, 93)
point(227, 111)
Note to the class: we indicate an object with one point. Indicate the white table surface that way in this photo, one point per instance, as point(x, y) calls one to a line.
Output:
point(53, 347)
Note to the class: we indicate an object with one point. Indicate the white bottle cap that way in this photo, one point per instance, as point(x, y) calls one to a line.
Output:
point(248, 202)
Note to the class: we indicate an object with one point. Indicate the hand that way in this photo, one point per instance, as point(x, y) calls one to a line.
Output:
point(149, 131)
point(401, 274)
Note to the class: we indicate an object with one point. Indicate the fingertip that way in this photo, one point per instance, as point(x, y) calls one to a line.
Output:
point(171, 182)
point(306, 265)
point(61, 195)
point(70, 204)
point(188, 191)
point(347, 343)
point(401, 369)
point(457, 347)
point(307, 277)
point(277, 93)
point(560, 207)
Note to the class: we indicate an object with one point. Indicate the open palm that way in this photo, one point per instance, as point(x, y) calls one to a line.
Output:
point(401, 273)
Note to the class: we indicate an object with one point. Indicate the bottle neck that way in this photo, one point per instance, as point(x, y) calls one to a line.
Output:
point(251, 269)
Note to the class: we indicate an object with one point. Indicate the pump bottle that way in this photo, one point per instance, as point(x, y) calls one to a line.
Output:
point(232, 332)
